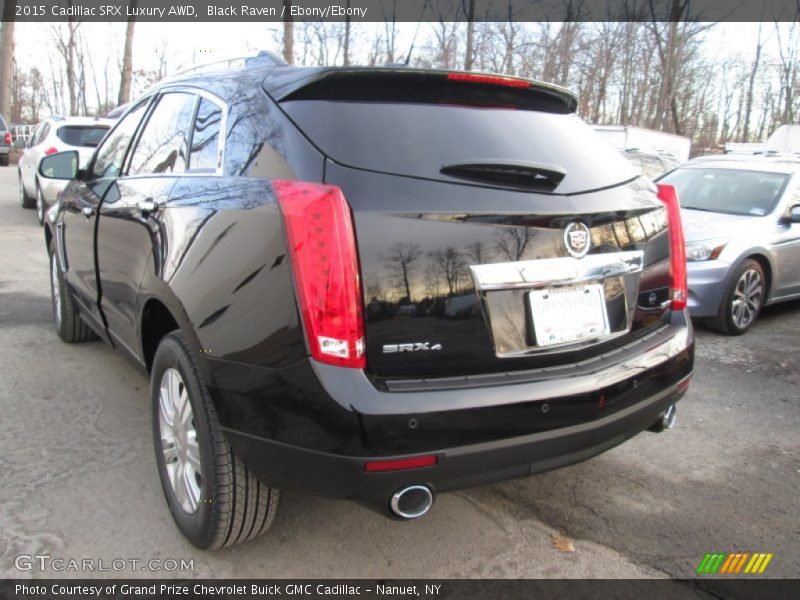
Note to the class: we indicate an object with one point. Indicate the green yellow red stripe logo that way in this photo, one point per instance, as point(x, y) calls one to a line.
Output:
point(724, 563)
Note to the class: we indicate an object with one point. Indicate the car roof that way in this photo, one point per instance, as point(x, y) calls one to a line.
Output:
point(267, 71)
point(786, 164)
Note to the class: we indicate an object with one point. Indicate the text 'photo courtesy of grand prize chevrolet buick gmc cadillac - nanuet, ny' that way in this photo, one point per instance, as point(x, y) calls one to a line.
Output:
point(377, 284)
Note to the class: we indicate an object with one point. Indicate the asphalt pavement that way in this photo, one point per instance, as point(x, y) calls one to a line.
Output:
point(79, 478)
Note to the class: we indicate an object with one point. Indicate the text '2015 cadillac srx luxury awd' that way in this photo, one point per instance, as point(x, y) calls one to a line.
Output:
point(377, 284)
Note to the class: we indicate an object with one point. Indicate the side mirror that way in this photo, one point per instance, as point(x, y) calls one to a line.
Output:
point(794, 214)
point(63, 165)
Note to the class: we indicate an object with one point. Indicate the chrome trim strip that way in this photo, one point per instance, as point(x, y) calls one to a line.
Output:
point(555, 271)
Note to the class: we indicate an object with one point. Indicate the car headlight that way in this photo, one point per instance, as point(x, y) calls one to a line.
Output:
point(705, 249)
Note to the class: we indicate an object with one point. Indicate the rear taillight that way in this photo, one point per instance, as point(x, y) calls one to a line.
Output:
point(322, 247)
point(51, 150)
point(8, 139)
point(489, 79)
point(679, 292)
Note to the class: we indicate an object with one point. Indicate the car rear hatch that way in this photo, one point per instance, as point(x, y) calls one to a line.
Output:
point(496, 232)
point(82, 138)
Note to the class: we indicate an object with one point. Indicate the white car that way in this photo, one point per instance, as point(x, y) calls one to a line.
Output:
point(56, 134)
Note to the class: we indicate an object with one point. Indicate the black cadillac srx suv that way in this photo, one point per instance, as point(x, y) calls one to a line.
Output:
point(369, 283)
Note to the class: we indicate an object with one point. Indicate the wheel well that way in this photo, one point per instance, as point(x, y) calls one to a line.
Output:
point(157, 322)
point(762, 260)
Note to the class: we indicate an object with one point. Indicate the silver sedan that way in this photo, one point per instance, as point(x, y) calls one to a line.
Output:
point(741, 220)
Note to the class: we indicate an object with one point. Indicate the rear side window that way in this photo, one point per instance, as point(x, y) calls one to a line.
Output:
point(76, 135)
point(163, 143)
point(418, 140)
point(205, 137)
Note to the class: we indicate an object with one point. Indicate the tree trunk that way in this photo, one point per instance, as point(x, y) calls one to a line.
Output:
point(749, 106)
point(346, 60)
point(127, 62)
point(288, 32)
point(470, 50)
point(70, 60)
point(6, 58)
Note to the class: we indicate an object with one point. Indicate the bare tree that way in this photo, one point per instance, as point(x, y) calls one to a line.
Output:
point(399, 261)
point(451, 265)
point(512, 242)
point(127, 61)
point(750, 88)
point(65, 39)
point(390, 28)
point(789, 68)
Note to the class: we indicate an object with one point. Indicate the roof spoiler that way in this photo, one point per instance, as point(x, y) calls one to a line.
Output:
point(393, 84)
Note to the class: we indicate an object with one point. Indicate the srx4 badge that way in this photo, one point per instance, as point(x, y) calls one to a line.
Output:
point(412, 347)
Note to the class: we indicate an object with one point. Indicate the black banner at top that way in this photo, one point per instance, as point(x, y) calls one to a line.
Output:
point(363, 11)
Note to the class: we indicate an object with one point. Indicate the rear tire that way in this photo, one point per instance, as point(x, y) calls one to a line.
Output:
point(214, 499)
point(25, 201)
point(743, 300)
point(69, 325)
point(4, 161)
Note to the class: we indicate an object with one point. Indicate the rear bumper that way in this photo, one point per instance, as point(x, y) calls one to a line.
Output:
point(478, 434)
point(4, 150)
point(329, 475)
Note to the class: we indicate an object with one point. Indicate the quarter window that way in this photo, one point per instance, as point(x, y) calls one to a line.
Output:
point(111, 153)
point(205, 137)
point(162, 145)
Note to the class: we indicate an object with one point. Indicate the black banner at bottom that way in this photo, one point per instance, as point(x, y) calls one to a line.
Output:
point(372, 589)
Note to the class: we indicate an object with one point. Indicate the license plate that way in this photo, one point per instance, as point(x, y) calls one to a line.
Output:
point(569, 314)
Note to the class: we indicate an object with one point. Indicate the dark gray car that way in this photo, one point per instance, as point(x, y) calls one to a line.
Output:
point(6, 142)
point(741, 218)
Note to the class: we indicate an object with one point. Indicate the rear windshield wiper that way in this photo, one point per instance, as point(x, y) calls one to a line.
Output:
point(508, 173)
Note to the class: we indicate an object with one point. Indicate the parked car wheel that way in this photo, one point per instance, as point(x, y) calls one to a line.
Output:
point(4, 160)
point(743, 300)
point(25, 201)
point(69, 325)
point(41, 205)
point(214, 499)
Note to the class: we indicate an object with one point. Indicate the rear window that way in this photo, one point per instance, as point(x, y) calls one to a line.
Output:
point(82, 135)
point(3, 123)
point(418, 140)
point(728, 191)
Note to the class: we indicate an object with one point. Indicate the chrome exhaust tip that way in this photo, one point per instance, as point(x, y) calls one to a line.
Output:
point(411, 502)
point(668, 417)
point(666, 420)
